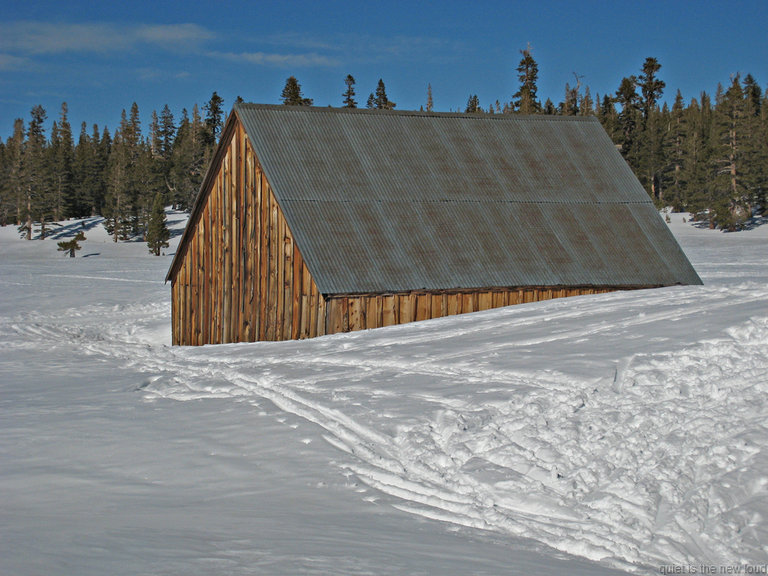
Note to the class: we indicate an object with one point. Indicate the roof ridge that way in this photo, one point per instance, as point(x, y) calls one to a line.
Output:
point(289, 198)
point(413, 113)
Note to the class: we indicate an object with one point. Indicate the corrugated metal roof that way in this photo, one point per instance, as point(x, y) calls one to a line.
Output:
point(395, 201)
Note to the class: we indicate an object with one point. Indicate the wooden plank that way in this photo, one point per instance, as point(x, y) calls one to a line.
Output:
point(205, 289)
point(226, 311)
point(306, 309)
point(287, 283)
point(296, 294)
point(254, 242)
point(234, 244)
point(484, 300)
point(260, 258)
point(264, 243)
point(192, 272)
point(467, 302)
point(181, 303)
point(388, 314)
point(407, 308)
point(321, 311)
point(439, 308)
point(244, 247)
point(250, 235)
point(216, 269)
point(187, 303)
point(452, 304)
point(279, 256)
point(355, 315)
point(211, 265)
point(333, 320)
point(423, 306)
point(373, 312)
point(175, 324)
point(316, 320)
point(271, 294)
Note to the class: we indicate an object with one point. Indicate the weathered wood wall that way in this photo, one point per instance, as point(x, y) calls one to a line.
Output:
point(243, 279)
point(362, 312)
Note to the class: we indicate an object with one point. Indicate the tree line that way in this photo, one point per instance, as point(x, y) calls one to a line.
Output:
point(115, 175)
point(707, 156)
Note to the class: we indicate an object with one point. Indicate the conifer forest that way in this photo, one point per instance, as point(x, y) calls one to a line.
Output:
point(707, 155)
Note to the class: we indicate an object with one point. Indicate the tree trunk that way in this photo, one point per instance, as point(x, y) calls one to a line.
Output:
point(29, 219)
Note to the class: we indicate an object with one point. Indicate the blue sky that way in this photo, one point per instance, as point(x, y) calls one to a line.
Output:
point(100, 56)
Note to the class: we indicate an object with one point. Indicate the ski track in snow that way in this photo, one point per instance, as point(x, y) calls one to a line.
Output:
point(660, 459)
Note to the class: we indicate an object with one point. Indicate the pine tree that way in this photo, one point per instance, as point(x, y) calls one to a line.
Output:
point(73, 245)
point(62, 155)
point(609, 118)
point(697, 150)
point(35, 173)
point(167, 133)
point(586, 104)
point(214, 119)
point(677, 135)
point(189, 159)
point(570, 104)
point(157, 229)
point(123, 201)
point(649, 160)
point(12, 177)
point(525, 100)
point(154, 135)
point(292, 95)
point(4, 195)
point(754, 147)
point(753, 94)
point(114, 209)
point(473, 105)
point(430, 101)
point(149, 181)
point(379, 99)
point(349, 93)
point(626, 97)
point(731, 196)
point(650, 86)
point(88, 173)
point(103, 149)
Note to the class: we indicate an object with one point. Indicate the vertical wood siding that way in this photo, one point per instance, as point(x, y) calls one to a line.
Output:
point(350, 313)
point(242, 277)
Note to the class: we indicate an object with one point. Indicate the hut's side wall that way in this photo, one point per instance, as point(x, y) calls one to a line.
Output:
point(361, 312)
point(242, 277)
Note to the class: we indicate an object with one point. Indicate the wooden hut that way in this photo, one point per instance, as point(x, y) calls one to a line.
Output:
point(313, 221)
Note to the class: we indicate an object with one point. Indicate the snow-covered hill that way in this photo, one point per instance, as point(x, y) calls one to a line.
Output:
point(623, 431)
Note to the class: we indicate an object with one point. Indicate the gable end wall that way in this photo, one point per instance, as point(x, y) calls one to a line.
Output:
point(241, 277)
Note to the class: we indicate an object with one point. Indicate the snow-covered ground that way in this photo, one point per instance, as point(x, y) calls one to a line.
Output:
point(623, 432)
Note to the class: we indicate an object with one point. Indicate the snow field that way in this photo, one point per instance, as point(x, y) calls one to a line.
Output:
point(626, 428)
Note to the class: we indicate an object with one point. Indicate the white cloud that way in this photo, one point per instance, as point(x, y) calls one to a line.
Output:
point(271, 59)
point(9, 62)
point(36, 37)
point(173, 34)
point(371, 48)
